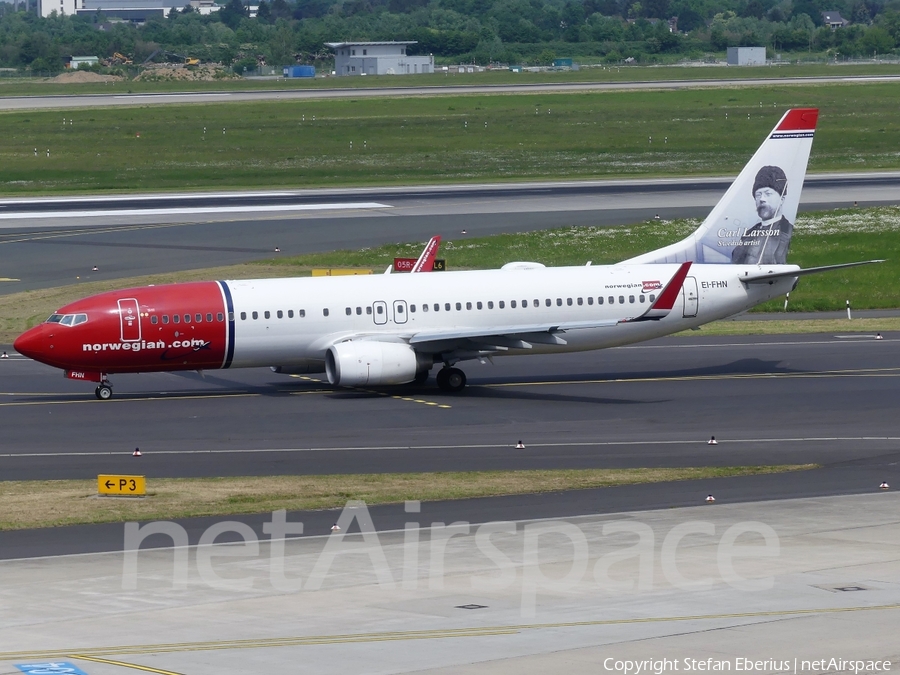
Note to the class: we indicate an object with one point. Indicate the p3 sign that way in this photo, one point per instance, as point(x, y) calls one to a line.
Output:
point(51, 668)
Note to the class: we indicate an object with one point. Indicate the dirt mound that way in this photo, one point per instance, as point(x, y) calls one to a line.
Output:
point(163, 72)
point(84, 76)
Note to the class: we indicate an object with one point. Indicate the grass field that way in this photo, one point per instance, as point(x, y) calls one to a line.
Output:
point(42, 86)
point(822, 238)
point(436, 139)
point(819, 239)
point(28, 504)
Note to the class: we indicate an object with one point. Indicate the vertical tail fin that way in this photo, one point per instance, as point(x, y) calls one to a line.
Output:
point(753, 223)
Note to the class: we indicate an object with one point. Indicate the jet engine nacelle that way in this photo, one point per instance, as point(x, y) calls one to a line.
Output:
point(356, 363)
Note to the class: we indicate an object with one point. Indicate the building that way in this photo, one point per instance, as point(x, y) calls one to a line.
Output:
point(378, 58)
point(834, 20)
point(76, 62)
point(746, 56)
point(59, 6)
point(136, 11)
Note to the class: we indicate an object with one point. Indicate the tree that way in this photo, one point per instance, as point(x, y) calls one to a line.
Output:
point(690, 19)
point(232, 13)
point(263, 13)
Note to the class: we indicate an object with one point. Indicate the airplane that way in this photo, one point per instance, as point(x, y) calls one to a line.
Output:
point(391, 329)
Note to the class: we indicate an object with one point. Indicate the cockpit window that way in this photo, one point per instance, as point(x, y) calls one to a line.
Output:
point(68, 319)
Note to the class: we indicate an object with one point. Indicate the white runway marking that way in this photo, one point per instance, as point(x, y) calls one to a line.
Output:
point(485, 446)
point(193, 210)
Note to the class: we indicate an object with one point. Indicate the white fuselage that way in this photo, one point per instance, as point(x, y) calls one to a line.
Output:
point(298, 319)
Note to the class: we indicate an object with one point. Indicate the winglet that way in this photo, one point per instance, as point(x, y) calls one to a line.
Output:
point(666, 300)
point(425, 263)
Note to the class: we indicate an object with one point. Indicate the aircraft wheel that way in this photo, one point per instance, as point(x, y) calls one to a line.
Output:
point(103, 392)
point(451, 379)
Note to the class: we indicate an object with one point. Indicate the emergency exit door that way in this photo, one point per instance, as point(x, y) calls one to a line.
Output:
point(130, 320)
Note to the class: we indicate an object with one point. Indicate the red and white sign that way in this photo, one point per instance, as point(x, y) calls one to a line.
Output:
point(651, 285)
point(404, 264)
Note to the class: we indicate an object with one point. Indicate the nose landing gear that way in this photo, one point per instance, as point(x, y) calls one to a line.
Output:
point(451, 379)
point(104, 390)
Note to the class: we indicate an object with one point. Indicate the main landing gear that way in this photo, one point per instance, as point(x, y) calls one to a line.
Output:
point(451, 379)
point(104, 390)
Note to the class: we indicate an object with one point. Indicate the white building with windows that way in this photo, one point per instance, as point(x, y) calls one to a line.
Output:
point(378, 58)
point(58, 6)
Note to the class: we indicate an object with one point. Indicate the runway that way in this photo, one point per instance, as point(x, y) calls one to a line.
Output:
point(97, 100)
point(149, 234)
point(822, 399)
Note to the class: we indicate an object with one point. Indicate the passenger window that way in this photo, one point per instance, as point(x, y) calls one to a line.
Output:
point(67, 319)
point(209, 318)
point(358, 311)
point(652, 298)
point(154, 319)
point(621, 299)
point(549, 302)
point(255, 315)
point(301, 313)
point(590, 300)
point(267, 314)
point(425, 307)
point(490, 304)
point(478, 305)
point(379, 309)
point(198, 318)
point(230, 316)
point(399, 309)
point(537, 303)
point(368, 310)
point(221, 317)
point(559, 302)
point(177, 319)
point(165, 318)
point(243, 316)
point(468, 305)
point(279, 314)
point(325, 311)
point(290, 314)
point(348, 311)
point(437, 307)
point(458, 306)
point(412, 308)
point(512, 304)
point(569, 301)
point(446, 306)
point(580, 301)
point(642, 298)
point(501, 304)
point(612, 300)
point(187, 318)
point(600, 300)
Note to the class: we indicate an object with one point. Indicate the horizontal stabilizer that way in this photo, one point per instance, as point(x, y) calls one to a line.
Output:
point(771, 276)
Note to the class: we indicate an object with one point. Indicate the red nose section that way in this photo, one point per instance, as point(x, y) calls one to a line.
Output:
point(31, 343)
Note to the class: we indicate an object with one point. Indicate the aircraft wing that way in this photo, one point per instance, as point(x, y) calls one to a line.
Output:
point(425, 263)
point(521, 336)
point(765, 278)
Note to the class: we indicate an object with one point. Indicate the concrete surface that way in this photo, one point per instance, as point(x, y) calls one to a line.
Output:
point(829, 587)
